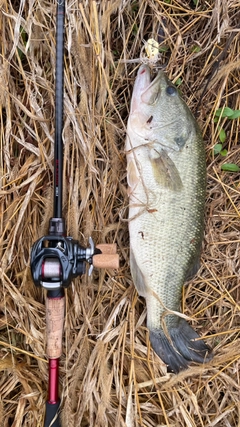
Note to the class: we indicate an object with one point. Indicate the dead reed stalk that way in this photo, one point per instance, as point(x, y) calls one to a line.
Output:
point(109, 374)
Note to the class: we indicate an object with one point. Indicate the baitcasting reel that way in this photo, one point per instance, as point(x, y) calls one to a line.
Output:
point(56, 260)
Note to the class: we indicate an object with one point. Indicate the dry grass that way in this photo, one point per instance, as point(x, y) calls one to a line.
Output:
point(109, 374)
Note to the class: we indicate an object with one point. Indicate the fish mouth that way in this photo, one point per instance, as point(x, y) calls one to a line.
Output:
point(145, 88)
point(145, 78)
point(148, 86)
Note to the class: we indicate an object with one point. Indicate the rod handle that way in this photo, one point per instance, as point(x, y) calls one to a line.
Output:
point(52, 413)
point(55, 308)
point(108, 261)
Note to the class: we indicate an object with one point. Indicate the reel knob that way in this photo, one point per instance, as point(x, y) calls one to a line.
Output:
point(108, 258)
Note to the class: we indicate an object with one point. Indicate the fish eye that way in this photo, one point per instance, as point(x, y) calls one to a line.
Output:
point(171, 90)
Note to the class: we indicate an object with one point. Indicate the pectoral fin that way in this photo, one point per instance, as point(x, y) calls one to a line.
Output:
point(165, 171)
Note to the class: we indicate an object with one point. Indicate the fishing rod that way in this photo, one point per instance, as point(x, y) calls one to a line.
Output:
point(55, 259)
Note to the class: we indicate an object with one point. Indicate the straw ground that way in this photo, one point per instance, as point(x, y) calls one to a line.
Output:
point(109, 373)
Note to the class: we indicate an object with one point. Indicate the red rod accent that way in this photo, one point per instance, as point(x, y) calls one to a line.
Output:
point(53, 381)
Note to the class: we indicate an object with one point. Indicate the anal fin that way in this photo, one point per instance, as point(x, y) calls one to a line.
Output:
point(138, 278)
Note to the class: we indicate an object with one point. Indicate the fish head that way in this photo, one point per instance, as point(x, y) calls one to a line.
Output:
point(158, 115)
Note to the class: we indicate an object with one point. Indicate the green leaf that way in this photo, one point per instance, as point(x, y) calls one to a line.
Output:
point(230, 167)
point(222, 135)
point(224, 152)
point(235, 115)
point(135, 6)
point(196, 49)
point(178, 82)
point(20, 53)
point(135, 29)
point(24, 35)
point(163, 49)
point(224, 112)
point(217, 148)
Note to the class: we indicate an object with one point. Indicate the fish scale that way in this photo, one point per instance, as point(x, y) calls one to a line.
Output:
point(167, 178)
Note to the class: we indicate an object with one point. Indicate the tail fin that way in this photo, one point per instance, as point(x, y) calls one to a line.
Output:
point(182, 349)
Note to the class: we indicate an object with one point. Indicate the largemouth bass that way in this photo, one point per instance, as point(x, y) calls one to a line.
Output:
point(166, 175)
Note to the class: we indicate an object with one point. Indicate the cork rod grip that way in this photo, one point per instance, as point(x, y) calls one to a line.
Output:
point(55, 308)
